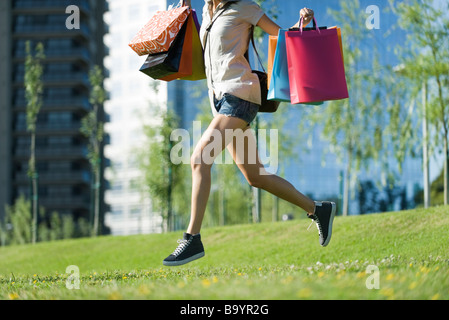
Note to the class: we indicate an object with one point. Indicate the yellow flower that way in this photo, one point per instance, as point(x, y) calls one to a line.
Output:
point(13, 296)
point(321, 274)
point(115, 296)
point(412, 285)
point(436, 297)
point(304, 293)
point(215, 280)
point(388, 292)
point(390, 277)
point(206, 283)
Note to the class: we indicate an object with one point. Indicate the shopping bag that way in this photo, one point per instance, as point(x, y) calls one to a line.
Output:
point(341, 43)
point(315, 66)
point(185, 65)
point(198, 69)
point(160, 32)
point(164, 64)
point(272, 43)
point(279, 83)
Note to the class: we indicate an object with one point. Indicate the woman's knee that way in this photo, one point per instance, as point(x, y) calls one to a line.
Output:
point(197, 162)
point(256, 181)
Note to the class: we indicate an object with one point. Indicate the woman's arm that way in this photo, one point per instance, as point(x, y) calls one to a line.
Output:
point(270, 27)
point(188, 3)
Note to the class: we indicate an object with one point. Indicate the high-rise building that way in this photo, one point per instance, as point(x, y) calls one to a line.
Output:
point(133, 98)
point(65, 182)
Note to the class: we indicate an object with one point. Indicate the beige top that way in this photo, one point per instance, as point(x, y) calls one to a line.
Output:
point(227, 69)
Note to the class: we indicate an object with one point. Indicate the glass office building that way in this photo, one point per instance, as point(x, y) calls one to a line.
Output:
point(318, 172)
point(65, 181)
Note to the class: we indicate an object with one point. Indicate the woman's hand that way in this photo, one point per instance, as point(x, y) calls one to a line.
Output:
point(307, 14)
point(187, 3)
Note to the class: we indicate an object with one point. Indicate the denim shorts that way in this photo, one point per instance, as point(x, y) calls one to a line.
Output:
point(233, 106)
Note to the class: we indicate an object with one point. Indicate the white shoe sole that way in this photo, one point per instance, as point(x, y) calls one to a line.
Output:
point(185, 261)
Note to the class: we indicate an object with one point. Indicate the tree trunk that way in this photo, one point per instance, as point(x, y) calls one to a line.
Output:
point(96, 201)
point(34, 188)
point(346, 186)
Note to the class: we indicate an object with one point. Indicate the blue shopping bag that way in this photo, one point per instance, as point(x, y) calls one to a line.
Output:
point(280, 85)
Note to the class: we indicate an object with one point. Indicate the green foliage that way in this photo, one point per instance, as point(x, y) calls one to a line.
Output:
point(425, 60)
point(91, 126)
point(163, 180)
point(16, 228)
point(34, 86)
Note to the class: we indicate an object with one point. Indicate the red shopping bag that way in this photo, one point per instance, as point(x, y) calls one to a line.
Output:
point(160, 32)
point(315, 66)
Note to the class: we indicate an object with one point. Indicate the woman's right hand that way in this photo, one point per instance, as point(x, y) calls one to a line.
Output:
point(188, 3)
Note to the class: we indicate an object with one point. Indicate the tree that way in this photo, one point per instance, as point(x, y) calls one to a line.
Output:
point(34, 88)
point(425, 60)
point(162, 179)
point(354, 127)
point(93, 129)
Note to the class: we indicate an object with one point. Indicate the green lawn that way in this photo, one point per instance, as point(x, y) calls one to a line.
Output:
point(262, 262)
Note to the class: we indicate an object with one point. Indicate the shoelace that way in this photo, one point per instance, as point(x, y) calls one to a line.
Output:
point(182, 246)
point(318, 225)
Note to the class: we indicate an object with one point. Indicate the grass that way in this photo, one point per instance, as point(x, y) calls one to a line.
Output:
point(267, 261)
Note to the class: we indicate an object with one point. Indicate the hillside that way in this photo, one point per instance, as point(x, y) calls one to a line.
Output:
point(266, 261)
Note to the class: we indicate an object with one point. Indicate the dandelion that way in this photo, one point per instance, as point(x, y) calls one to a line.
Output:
point(390, 277)
point(304, 293)
point(321, 274)
point(387, 292)
point(206, 283)
point(13, 296)
point(436, 297)
point(215, 280)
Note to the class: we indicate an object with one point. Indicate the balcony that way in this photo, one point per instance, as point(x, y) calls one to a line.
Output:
point(58, 177)
point(57, 104)
point(52, 152)
point(48, 6)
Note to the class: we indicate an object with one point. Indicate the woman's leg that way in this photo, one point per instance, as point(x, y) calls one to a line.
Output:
point(257, 177)
point(212, 143)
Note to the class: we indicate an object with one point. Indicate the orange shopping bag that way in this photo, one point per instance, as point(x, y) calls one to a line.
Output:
point(160, 32)
point(272, 44)
point(198, 71)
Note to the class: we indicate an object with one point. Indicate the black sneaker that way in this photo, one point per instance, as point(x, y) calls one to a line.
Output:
point(190, 248)
point(324, 217)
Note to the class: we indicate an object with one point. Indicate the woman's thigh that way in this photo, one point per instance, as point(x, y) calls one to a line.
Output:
point(215, 139)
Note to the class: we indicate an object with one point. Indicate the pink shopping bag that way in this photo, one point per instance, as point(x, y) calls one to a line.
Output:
point(315, 66)
point(160, 32)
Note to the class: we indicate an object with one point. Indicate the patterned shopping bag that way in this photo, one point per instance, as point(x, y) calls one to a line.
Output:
point(160, 32)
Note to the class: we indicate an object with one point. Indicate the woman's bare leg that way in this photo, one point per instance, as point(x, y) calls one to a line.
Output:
point(256, 175)
point(212, 143)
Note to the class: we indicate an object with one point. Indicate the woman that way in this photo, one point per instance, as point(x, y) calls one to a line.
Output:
point(235, 97)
